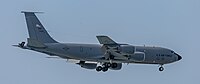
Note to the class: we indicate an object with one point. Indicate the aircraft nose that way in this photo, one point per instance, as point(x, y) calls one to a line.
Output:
point(179, 57)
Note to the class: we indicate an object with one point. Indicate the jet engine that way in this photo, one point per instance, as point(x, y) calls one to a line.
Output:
point(118, 66)
point(127, 49)
point(88, 65)
point(138, 56)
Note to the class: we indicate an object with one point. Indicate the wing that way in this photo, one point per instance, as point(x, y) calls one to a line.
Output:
point(106, 40)
point(112, 48)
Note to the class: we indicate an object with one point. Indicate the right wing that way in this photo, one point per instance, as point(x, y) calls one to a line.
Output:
point(112, 48)
point(106, 40)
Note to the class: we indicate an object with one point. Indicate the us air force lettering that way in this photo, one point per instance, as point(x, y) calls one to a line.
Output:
point(108, 54)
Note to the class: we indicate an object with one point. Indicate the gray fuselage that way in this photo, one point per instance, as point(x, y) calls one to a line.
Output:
point(108, 53)
point(95, 53)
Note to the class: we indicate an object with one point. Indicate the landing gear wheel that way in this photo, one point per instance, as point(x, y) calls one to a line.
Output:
point(99, 68)
point(114, 65)
point(108, 65)
point(161, 68)
point(104, 69)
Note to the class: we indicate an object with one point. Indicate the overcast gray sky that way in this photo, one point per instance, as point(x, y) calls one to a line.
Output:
point(173, 24)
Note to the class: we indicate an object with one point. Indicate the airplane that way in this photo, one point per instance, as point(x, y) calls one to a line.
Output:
point(108, 54)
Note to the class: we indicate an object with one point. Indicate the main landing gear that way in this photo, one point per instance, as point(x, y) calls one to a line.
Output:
point(161, 68)
point(105, 67)
point(102, 68)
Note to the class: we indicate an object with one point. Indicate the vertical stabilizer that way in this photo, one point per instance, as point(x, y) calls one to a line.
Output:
point(36, 30)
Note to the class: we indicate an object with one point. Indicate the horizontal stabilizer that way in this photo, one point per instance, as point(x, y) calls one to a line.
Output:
point(30, 12)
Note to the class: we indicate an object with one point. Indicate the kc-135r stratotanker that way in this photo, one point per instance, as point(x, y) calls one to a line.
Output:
point(106, 55)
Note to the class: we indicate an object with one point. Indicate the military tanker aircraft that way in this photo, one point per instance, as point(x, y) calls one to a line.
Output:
point(107, 55)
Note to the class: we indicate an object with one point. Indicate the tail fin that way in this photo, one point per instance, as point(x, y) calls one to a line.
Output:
point(36, 29)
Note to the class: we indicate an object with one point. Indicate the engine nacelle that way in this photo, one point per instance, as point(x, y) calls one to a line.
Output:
point(138, 56)
point(119, 66)
point(88, 65)
point(127, 49)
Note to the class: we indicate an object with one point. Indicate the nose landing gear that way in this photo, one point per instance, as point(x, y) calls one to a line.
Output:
point(161, 68)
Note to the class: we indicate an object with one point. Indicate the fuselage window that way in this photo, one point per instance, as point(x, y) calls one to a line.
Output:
point(66, 48)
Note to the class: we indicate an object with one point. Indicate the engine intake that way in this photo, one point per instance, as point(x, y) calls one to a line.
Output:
point(127, 49)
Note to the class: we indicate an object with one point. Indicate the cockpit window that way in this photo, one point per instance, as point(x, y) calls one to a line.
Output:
point(172, 51)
